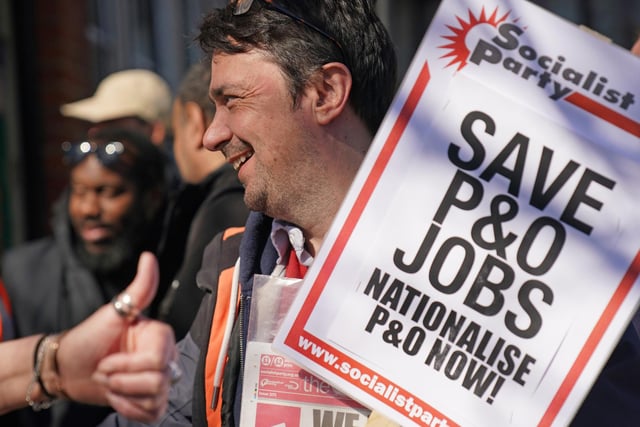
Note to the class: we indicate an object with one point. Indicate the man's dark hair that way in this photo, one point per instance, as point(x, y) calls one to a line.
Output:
point(300, 51)
point(195, 88)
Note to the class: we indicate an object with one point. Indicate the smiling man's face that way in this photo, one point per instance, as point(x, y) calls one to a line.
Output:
point(268, 140)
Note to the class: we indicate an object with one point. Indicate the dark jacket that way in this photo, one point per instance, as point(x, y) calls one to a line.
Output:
point(613, 399)
point(198, 213)
point(50, 291)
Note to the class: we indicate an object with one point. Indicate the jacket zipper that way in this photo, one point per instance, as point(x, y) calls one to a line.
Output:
point(243, 301)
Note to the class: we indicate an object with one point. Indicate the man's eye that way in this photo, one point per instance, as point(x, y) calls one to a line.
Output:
point(229, 99)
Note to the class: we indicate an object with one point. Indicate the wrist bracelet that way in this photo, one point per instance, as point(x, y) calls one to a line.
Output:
point(48, 342)
point(55, 345)
point(38, 358)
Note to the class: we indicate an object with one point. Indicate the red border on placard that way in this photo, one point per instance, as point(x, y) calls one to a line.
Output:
point(607, 114)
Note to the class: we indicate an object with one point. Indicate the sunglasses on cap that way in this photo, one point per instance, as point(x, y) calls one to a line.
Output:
point(107, 153)
point(242, 6)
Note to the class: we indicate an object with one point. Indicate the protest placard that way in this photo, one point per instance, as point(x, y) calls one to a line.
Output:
point(485, 261)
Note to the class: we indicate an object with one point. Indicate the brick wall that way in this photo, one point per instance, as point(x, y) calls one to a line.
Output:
point(63, 62)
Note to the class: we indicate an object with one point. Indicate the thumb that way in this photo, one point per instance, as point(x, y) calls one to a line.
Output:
point(144, 286)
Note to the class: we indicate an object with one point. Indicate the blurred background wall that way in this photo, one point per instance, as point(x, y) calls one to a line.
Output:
point(56, 51)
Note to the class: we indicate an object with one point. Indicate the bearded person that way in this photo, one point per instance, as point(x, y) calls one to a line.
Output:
point(110, 213)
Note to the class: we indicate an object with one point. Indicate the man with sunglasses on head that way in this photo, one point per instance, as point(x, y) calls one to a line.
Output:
point(300, 88)
point(110, 213)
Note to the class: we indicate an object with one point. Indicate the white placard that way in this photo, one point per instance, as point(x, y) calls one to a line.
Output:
point(485, 262)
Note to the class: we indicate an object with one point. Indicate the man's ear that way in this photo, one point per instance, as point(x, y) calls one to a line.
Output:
point(333, 87)
point(195, 123)
point(158, 133)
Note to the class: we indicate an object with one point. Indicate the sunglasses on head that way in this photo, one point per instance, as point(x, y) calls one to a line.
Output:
point(107, 153)
point(242, 6)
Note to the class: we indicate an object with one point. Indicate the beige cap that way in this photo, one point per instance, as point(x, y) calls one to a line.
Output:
point(139, 93)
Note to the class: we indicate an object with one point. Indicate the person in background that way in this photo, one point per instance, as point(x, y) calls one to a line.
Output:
point(135, 99)
point(116, 357)
point(110, 213)
point(210, 200)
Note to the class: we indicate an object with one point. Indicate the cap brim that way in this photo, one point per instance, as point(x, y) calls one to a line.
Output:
point(93, 110)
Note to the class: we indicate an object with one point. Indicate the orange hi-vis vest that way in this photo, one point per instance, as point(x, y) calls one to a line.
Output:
point(224, 315)
point(221, 323)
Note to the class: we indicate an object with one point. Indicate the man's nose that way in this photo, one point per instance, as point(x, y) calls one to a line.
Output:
point(90, 204)
point(218, 132)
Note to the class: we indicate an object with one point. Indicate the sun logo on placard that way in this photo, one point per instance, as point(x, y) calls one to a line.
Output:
point(458, 50)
